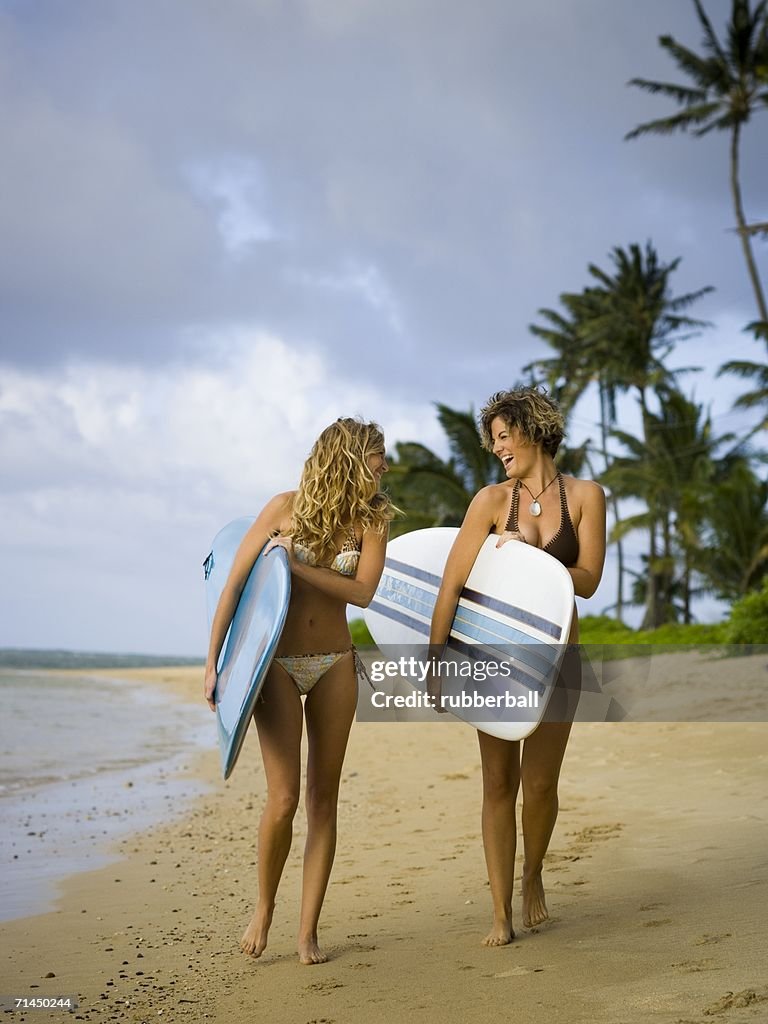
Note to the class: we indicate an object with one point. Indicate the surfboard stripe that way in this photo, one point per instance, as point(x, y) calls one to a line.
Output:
point(414, 599)
point(397, 616)
point(406, 594)
point(494, 604)
point(543, 654)
point(529, 618)
point(539, 667)
point(476, 653)
point(480, 648)
point(411, 570)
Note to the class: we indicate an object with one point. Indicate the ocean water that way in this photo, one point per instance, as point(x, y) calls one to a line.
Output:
point(84, 761)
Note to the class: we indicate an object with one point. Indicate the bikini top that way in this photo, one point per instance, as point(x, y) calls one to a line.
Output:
point(564, 546)
point(345, 561)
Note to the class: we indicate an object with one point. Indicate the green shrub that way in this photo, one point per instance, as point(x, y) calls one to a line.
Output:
point(678, 633)
point(601, 629)
point(613, 635)
point(360, 635)
point(748, 623)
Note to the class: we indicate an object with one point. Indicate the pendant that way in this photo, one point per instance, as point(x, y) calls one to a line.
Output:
point(534, 508)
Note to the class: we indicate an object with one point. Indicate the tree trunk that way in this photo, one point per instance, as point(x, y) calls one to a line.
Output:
point(666, 611)
point(614, 504)
point(687, 590)
point(746, 242)
point(652, 589)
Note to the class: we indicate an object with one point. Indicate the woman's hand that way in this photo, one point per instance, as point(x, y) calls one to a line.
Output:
point(286, 543)
point(435, 689)
point(211, 678)
point(510, 535)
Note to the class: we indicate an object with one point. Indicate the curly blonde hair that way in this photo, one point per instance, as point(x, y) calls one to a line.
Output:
point(337, 489)
point(531, 410)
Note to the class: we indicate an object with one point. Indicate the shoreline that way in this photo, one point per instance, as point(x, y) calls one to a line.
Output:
point(655, 883)
point(89, 759)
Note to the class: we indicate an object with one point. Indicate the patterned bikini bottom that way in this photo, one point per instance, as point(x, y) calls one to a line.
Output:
point(306, 670)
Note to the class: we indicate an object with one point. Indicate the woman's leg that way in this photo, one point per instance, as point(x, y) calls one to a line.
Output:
point(543, 754)
point(329, 708)
point(501, 780)
point(278, 719)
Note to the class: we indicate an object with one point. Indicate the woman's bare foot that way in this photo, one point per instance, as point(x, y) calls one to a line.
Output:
point(534, 904)
point(254, 940)
point(501, 933)
point(309, 951)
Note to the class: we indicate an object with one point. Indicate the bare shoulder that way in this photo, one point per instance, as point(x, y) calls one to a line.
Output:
point(492, 495)
point(584, 492)
point(489, 501)
point(284, 498)
point(276, 514)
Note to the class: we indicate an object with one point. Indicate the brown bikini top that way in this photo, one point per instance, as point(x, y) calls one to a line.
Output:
point(564, 546)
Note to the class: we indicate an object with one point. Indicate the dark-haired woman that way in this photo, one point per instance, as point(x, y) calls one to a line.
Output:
point(566, 518)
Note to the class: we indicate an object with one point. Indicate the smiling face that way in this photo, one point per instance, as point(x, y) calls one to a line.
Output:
point(509, 445)
point(377, 463)
point(531, 411)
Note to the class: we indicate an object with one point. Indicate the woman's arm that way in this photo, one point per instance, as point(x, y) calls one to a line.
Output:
point(587, 572)
point(478, 523)
point(358, 589)
point(258, 534)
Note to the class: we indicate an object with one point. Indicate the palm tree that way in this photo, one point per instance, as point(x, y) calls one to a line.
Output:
point(617, 333)
point(758, 372)
point(729, 84)
point(569, 374)
point(670, 471)
point(734, 558)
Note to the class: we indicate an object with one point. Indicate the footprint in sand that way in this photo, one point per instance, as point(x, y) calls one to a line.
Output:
point(711, 940)
point(657, 924)
point(732, 1000)
point(515, 972)
point(694, 966)
point(324, 986)
point(594, 832)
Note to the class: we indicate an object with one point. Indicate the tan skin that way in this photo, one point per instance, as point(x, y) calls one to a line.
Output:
point(316, 622)
point(504, 765)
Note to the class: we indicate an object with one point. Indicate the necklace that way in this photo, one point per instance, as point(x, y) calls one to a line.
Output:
point(535, 508)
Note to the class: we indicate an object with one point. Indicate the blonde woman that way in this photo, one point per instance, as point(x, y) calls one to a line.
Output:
point(334, 529)
point(566, 518)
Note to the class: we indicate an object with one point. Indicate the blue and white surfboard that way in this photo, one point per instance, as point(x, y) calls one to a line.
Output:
point(252, 638)
point(514, 612)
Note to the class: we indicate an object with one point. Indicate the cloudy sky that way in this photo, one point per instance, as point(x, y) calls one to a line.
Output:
point(223, 224)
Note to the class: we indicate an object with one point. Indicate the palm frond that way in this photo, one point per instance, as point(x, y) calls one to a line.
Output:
point(705, 71)
point(680, 93)
point(711, 42)
point(687, 118)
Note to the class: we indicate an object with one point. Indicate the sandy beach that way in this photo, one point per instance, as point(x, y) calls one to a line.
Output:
point(657, 886)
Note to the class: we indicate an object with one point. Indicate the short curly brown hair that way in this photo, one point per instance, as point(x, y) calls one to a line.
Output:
point(531, 410)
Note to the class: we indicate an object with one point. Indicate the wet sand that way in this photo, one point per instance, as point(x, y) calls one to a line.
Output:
point(657, 885)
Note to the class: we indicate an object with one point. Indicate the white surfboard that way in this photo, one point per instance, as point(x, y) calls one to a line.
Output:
point(252, 638)
point(514, 612)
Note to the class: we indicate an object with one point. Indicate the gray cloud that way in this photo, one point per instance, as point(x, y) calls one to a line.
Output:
point(469, 160)
point(224, 224)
